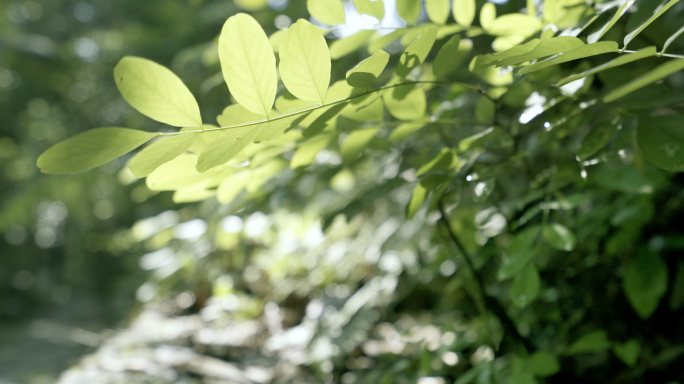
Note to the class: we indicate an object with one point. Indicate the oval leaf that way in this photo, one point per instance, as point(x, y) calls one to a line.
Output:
point(367, 71)
point(237, 114)
point(409, 10)
point(559, 237)
point(248, 63)
point(595, 140)
point(525, 287)
point(156, 92)
point(595, 341)
point(356, 142)
point(448, 57)
point(519, 253)
point(91, 149)
point(375, 8)
point(305, 62)
point(227, 146)
point(159, 153)
point(405, 102)
point(416, 52)
point(661, 139)
point(329, 12)
point(464, 12)
point(437, 10)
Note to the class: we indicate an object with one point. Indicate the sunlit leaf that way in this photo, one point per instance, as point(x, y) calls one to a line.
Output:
point(416, 52)
point(156, 92)
point(421, 192)
point(409, 10)
point(227, 146)
point(261, 175)
point(366, 72)
point(248, 63)
point(375, 8)
point(514, 24)
point(329, 12)
point(595, 341)
point(574, 54)
point(384, 40)
point(231, 187)
point(545, 48)
point(660, 72)
point(371, 109)
point(405, 130)
point(596, 36)
point(487, 15)
point(525, 287)
point(559, 237)
point(437, 10)
point(628, 352)
point(519, 253)
point(623, 59)
point(237, 114)
point(306, 153)
point(405, 102)
point(447, 57)
point(356, 142)
point(275, 39)
point(159, 153)
point(596, 139)
point(91, 149)
point(251, 5)
point(658, 12)
point(645, 282)
point(492, 58)
point(305, 62)
point(464, 12)
point(342, 47)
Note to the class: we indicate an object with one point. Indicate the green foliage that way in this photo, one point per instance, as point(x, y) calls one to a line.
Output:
point(645, 282)
point(464, 12)
point(367, 71)
point(329, 12)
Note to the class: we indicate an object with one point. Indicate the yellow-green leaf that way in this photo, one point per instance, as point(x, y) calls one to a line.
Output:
point(623, 59)
point(329, 12)
point(356, 142)
point(421, 192)
point(227, 146)
point(660, 72)
point(661, 140)
point(305, 62)
point(248, 63)
point(574, 54)
point(545, 48)
point(237, 114)
point(342, 47)
point(159, 153)
point(368, 109)
point(405, 102)
point(525, 287)
point(487, 15)
point(514, 24)
point(437, 10)
point(405, 130)
point(492, 58)
point(416, 52)
point(659, 11)
point(367, 71)
point(156, 92)
point(275, 39)
point(375, 8)
point(464, 12)
point(596, 36)
point(91, 149)
point(231, 187)
point(306, 153)
point(448, 58)
point(382, 41)
point(409, 10)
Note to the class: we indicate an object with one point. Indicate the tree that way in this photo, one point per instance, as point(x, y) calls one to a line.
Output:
point(409, 215)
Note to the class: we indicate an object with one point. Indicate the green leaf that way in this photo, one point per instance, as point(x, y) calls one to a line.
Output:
point(559, 237)
point(231, 186)
point(487, 15)
point(596, 36)
point(484, 110)
point(464, 12)
point(659, 11)
point(177, 173)
point(342, 47)
point(492, 58)
point(515, 24)
point(623, 59)
point(405, 102)
point(574, 54)
point(248, 63)
point(545, 48)
point(671, 39)
point(356, 142)
point(660, 72)
point(437, 11)
point(596, 139)
point(156, 92)
point(306, 153)
point(205, 138)
point(447, 57)
point(305, 62)
point(276, 38)
point(405, 130)
point(366, 110)
point(544, 364)
point(416, 52)
point(595, 341)
point(91, 149)
point(329, 12)
point(227, 146)
point(444, 160)
point(421, 192)
point(375, 8)
point(159, 153)
point(525, 287)
point(366, 72)
point(384, 40)
point(409, 10)
point(645, 282)
point(237, 114)
point(628, 352)
point(519, 253)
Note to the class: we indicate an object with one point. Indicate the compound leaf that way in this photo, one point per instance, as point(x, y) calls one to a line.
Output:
point(342, 47)
point(545, 48)
point(405, 102)
point(356, 142)
point(227, 146)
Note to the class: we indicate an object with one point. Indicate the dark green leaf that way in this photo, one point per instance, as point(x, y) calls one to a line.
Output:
point(660, 72)
point(519, 253)
point(661, 140)
point(645, 282)
point(659, 11)
point(595, 341)
point(621, 60)
point(525, 287)
point(596, 139)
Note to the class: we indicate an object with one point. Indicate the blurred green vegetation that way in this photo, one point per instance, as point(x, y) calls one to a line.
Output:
point(316, 275)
